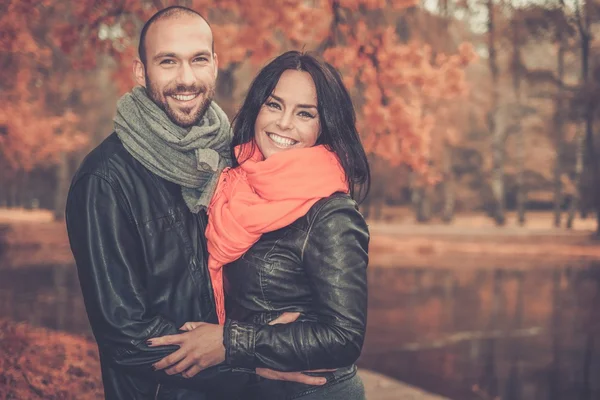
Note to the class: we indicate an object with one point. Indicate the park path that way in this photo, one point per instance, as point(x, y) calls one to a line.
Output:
point(381, 387)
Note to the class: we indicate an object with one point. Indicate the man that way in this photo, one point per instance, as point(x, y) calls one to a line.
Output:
point(135, 218)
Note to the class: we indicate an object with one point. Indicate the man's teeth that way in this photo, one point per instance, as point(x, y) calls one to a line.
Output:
point(184, 97)
point(282, 140)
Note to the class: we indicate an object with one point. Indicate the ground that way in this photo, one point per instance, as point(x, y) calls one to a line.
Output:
point(33, 238)
point(38, 363)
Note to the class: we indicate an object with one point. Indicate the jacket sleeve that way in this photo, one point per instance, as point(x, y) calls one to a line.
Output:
point(335, 259)
point(109, 257)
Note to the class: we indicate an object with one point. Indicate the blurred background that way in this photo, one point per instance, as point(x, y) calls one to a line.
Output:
point(481, 123)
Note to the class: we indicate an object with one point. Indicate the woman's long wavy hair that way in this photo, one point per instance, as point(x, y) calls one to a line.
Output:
point(336, 114)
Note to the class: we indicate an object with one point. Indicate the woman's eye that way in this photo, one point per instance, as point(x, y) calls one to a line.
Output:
point(272, 104)
point(305, 114)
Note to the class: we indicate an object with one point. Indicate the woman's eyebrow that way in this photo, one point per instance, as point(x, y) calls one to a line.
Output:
point(279, 99)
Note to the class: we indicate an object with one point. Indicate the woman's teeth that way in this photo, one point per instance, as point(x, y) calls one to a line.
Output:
point(282, 141)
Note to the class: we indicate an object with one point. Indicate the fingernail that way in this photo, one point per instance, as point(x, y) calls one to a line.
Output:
point(323, 381)
point(149, 342)
point(153, 367)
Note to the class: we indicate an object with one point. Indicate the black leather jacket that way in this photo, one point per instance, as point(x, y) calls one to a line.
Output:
point(316, 266)
point(141, 259)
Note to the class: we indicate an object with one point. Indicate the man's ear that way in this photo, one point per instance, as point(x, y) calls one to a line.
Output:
point(139, 72)
point(216, 65)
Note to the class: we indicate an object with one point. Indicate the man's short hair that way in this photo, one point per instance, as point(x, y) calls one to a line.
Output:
point(173, 11)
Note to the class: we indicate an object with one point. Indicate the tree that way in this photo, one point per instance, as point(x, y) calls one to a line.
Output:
point(497, 135)
point(517, 69)
point(36, 120)
point(398, 88)
point(585, 137)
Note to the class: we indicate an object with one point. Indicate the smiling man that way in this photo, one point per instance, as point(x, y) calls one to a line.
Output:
point(136, 218)
point(178, 65)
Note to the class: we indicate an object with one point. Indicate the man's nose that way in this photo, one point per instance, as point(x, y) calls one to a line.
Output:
point(186, 75)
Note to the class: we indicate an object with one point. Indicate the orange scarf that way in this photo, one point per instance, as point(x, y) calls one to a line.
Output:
point(262, 196)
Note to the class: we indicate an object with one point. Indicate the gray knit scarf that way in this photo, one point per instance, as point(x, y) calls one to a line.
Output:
point(192, 158)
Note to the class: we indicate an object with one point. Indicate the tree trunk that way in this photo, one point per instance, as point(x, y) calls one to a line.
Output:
point(575, 197)
point(420, 200)
point(448, 185)
point(520, 142)
point(225, 88)
point(593, 161)
point(424, 206)
point(558, 130)
point(497, 134)
point(582, 137)
point(62, 187)
point(11, 194)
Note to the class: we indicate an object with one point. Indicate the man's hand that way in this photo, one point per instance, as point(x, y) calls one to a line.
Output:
point(200, 347)
point(291, 377)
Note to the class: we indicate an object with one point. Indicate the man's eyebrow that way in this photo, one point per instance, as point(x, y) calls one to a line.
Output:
point(165, 54)
point(279, 99)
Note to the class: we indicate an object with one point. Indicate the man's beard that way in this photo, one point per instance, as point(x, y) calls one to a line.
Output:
point(184, 118)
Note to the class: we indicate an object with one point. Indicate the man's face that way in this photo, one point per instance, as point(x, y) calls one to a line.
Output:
point(181, 70)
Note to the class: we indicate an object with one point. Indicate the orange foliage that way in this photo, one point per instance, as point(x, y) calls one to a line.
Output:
point(401, 88)
point(31, 133)
point(398, 89)
point(42, 364)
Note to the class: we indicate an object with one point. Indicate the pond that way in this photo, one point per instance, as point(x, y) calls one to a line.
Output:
point(466, 334)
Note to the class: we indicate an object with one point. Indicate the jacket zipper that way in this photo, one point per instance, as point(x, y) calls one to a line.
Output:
point(205, 270)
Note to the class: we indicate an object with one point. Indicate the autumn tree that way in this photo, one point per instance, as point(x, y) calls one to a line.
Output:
point(398, 87)
point(36, 122)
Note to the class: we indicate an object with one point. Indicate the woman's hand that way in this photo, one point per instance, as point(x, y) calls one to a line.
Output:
point(200, 347)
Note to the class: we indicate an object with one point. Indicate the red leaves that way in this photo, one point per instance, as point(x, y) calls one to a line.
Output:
point(33, 138)
point(398, 89)
point(39, 363)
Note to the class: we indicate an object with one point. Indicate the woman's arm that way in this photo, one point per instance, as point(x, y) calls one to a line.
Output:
point(335, 258)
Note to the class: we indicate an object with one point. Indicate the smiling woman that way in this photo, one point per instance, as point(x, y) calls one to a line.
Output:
point(289, 118)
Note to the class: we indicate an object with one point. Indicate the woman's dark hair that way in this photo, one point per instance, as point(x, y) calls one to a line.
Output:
point(336, 114)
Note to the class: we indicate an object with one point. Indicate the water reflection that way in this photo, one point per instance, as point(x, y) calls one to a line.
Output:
point(467, 334)
point(478, 334)
point(45, 295)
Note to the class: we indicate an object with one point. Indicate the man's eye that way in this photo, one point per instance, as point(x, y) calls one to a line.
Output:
point(167, 62)
point(201, 59)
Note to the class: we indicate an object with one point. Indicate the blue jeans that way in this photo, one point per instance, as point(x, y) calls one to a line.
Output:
point(342, 384)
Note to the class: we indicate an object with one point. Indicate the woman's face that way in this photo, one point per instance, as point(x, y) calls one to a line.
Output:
point(289, 118)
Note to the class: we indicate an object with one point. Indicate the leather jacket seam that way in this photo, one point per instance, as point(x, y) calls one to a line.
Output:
point(312, 221)
point(119, 194)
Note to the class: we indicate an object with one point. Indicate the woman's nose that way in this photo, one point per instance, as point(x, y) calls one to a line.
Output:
point(285, 121)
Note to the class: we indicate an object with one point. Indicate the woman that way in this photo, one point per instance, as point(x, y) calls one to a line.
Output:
point(287, 235)
point(311, 253)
